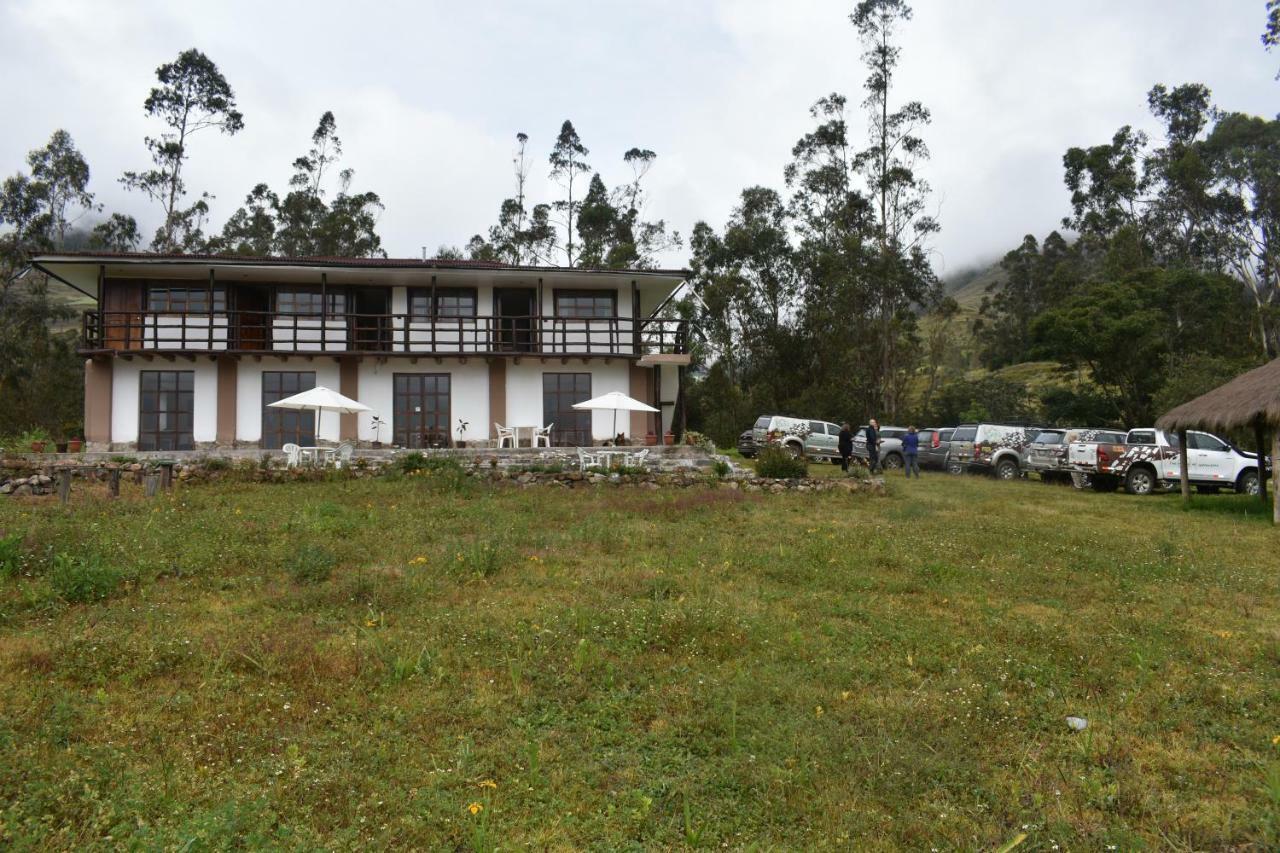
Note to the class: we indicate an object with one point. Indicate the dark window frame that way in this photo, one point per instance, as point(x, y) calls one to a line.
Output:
point(290, 426)
point(420, 299)
point(409, 428)
point(169, 305)
point(337, 299)
point(571, 427)
point(151, 434)
point(582, 295)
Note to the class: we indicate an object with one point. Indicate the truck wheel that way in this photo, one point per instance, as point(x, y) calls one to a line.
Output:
point(1007, 469)
point(795, 450)
point(1248, 483)
point(1140, 481)
point(892, 461)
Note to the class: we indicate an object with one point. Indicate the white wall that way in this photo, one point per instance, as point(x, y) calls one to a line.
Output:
point(524, 391)
point(126, 384)
point(468, 395)
point(249, 394)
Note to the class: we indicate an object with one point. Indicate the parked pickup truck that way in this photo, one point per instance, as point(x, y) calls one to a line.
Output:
point(1093, 453)
point(1150, 461)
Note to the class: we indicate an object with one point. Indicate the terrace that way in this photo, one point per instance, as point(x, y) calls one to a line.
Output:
point(126, 333)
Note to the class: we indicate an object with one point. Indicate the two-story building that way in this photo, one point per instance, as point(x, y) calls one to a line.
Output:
point(186, 351)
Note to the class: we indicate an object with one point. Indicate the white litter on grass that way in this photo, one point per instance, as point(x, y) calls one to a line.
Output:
point(1077, 724)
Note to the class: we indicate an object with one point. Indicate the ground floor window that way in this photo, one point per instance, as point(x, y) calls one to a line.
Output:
point(286, 426)
point(166, 408)
point(420, 410)
point(559, 392)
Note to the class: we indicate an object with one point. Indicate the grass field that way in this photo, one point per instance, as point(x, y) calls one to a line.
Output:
point(428, 663)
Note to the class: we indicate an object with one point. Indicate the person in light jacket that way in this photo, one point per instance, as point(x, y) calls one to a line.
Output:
point(911, 452)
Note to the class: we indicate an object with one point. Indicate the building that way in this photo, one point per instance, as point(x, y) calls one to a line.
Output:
point(185, 352)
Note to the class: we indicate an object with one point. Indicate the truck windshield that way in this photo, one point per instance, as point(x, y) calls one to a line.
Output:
point(1049, 438)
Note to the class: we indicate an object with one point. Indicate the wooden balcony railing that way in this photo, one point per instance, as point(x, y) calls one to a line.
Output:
point(261, 332)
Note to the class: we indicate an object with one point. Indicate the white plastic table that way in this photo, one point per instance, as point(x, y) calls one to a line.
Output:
point(312, 455)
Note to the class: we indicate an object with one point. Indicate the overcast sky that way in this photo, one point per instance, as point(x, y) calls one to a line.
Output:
point(429, 95)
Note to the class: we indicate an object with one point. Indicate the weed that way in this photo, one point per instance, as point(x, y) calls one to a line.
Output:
point(79, 579)
point(721, 468)
point(312, 564)
point(11, 555)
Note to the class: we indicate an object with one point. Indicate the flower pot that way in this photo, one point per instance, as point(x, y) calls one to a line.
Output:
point(669, 438)
point(37, 447)
point(650, 439)
point(460, 444)
point(74, 445)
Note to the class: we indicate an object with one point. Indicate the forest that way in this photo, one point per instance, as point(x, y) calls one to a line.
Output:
point(816, 297)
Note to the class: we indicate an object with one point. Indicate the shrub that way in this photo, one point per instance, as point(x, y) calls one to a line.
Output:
point(413, 461)
point(10, 555)
point(82, 579)
point(721, 468)
point(312, 564)
point(777, 463)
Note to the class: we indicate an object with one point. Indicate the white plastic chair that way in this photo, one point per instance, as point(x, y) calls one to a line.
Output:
point(542, 436)
point(586, 460)
point(636, 460)
point(292, 455)
point(505, 434)
point(343, 456)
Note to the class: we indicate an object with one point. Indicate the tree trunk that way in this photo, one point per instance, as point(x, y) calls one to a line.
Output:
point(1260, 445)
point(1183, 475)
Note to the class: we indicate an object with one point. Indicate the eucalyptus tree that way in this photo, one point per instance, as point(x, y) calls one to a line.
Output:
point(569, 165)
point(193, 96)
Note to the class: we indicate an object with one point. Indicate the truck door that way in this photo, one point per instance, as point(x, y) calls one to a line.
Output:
point(1208, 459)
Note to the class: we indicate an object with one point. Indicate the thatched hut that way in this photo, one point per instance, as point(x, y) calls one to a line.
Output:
point(1250, 401)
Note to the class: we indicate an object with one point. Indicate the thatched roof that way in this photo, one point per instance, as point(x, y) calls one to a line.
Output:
point(1237, 404)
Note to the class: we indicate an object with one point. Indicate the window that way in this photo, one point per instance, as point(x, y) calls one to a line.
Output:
point(817, 428)
point(165, 410)
point(1142, 437)
point(286, 426)
point(763, 422)
point(586, 303)
point(450, 302)
point(964, 434)
point(308, 302)
point(176, 300)
point(1050, 437)
point(559, 392)
point(420, 409)
point(1204, 441)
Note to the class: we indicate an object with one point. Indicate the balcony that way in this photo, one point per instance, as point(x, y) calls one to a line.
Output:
point(267, 333)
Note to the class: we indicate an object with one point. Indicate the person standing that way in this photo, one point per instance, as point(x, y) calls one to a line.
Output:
point(873, 446)
point(911, 451)
point(845, 445)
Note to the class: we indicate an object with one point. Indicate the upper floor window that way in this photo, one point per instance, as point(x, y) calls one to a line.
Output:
point(309, 301)
point(586, 303)
point(450, 302)
point(176, 300)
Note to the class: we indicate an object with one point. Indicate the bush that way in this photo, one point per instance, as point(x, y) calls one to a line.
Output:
point(721, 468)
point(778, 464)
point(10, 555)
point(82, 579)
point(312, 564)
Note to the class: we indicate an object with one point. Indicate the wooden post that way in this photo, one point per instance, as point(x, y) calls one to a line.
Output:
point(1275, 467)
point(150, 484)
point(1260, 445)
point(64, 486)
point(166, 476)
point(113, 482)
point(1183, 475)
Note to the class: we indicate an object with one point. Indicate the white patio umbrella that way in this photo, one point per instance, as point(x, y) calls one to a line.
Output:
point(321, 399)
point(618, 402)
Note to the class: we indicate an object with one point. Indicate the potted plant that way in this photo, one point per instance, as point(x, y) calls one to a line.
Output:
point(377, 423)
point(74, 445)
point(462, 430)
point(669, 438)
point(650, 439)
point(36, 439)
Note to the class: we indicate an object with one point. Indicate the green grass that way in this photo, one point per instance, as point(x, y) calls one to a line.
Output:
point(625, 669)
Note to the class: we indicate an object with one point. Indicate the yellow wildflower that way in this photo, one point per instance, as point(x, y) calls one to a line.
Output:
point(818, 712)
point(1275, 741)
point(489, 783)
point(846, 694)
point(475, 808)
point(1226, 635)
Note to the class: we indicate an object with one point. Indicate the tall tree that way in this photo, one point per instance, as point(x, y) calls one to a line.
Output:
point(568, 165)
point(904, 277)
point(61, 174)
point(192, 96)
point(1271, 34)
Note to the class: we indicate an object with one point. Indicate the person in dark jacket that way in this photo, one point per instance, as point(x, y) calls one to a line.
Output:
point(873, 446)
point(845, 445)
point(911, 451)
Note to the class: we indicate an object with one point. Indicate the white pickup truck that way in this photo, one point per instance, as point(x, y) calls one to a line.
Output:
point(1149, 460)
